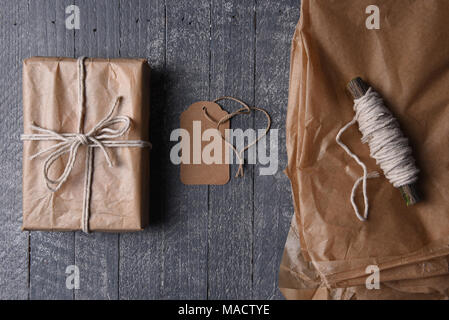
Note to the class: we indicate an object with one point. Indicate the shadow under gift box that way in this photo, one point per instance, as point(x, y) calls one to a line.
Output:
point(119, 198)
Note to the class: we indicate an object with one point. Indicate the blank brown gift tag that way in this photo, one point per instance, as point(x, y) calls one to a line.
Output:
point(196, 172)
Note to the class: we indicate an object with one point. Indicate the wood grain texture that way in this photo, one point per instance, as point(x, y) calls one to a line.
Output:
point(203, 242)
point(273, 206)
point(142, 25)
point(231, 206)
point(185, 207)
point(96, 254)
point(13, 243)
point(50, 252)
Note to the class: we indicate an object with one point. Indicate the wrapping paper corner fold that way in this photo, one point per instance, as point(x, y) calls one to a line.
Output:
point(112, 125)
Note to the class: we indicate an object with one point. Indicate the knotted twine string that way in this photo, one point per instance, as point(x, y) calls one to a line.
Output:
point(244, 110)
point(99, 136)
point(387, 145)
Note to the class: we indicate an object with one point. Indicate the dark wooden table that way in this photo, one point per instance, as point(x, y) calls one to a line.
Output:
point(217, 242)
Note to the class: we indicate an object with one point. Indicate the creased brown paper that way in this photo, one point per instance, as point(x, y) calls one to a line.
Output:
point(50, 100)
point(300, 280)
point(406, 61)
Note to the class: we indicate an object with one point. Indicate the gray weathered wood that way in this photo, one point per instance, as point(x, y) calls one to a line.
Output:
point(217, 242)
point(13, 243)
point(50, 253)
point(142, 25)
point(231, 206)
point(275, 25)
point(185, 207)
point(96, 254)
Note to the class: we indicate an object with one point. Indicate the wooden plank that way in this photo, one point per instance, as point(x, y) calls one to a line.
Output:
point(97, 254)
point(231, 206)
point(185, 207)
point(275, 24)
point(99, 35)
point(14, 243)
point(225, 242)
point(142, 25)
point(50, 253)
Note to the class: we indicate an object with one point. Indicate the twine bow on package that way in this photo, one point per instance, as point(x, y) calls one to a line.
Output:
point(86, 144)
point(330, 251)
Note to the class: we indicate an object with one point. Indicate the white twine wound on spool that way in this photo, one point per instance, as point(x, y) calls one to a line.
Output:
point(387, 145)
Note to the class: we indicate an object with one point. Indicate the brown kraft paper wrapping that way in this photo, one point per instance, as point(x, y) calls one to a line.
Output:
point(406, 61)
point(300, 280)
point(50, 99)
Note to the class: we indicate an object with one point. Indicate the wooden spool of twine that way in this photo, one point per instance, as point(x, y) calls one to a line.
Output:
point(358, 88)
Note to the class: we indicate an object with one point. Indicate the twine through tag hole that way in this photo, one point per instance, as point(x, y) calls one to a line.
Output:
point(244, 110)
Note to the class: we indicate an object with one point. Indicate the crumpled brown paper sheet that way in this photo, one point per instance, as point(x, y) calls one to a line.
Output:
point(406, 61)
point(50, 99)
point(299, 280)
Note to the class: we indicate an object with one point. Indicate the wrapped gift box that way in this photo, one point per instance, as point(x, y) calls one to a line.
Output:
point(118, 197)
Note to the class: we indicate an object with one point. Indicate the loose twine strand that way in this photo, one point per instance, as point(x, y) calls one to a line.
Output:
point(100, 136)
point(387, 144)
point(244, 110)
